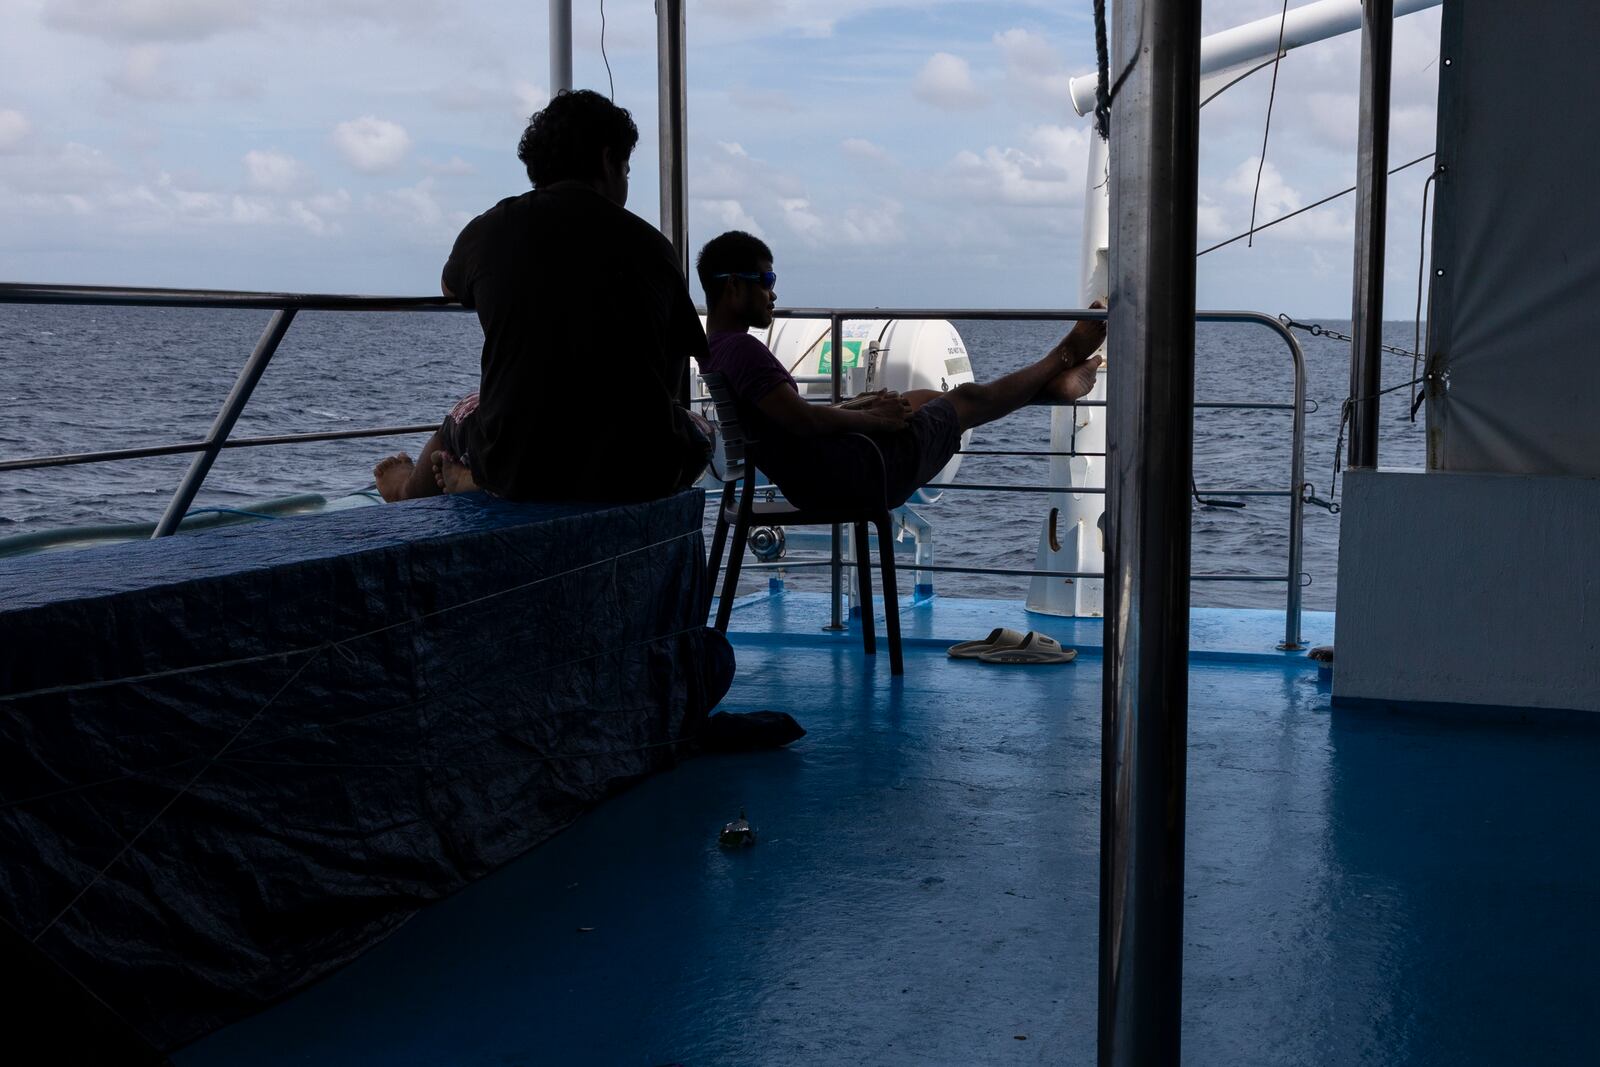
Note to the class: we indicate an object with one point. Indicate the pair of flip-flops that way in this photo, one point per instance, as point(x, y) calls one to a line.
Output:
point(1009, 647)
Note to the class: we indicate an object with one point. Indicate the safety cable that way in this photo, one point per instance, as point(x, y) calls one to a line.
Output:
point(1303, 210)
point(610, 81)
point(1272, 95)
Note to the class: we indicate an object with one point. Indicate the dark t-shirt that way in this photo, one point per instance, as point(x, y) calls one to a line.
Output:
point(587, 332)
point(813, 472)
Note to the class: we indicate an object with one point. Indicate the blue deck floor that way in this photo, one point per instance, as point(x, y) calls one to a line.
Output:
point(1363, 888)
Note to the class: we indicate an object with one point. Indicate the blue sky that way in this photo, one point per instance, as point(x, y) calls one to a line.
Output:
point(892, 153)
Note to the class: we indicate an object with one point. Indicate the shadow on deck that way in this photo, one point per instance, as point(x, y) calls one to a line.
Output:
point(1363, 888)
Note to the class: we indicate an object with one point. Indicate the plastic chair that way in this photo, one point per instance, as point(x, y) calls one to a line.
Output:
point(739, 510)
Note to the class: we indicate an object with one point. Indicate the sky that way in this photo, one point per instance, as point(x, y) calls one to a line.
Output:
point(892, 153)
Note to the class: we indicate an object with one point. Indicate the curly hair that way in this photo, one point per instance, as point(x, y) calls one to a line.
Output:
point(565, 138)
point(728, 253)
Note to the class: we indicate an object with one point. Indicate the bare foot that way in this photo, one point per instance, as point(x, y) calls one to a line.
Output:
point(452, 475)
point(1072, 384)
point(392, 473)
point(1084, 339)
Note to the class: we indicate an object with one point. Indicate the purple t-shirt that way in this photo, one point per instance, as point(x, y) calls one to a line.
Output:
point(799, 467)
point(749, 366)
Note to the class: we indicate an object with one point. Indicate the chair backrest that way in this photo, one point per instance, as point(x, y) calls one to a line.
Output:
point(728, 426)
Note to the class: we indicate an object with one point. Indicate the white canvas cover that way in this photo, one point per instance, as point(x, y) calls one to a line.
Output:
point(1515, 319)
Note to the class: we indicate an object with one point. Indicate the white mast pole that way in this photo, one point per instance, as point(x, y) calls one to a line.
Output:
point(1256, 41)
point(560, 46)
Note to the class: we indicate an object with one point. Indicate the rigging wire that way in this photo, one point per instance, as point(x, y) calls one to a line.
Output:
point(1259, 66)
point(1422, 254)
point(610, 81)
point(1303, 210)
point(1261, 164)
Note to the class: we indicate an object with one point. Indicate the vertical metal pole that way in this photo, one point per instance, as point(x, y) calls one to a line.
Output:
point(1372, 201)
point(672, 106)
point(222, 426)
point(560, 46)
point(1154, 186)
point(1297, 504)
point(836, 564)
point(670, 93)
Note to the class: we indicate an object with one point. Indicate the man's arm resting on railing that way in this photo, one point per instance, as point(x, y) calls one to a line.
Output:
point(786, 409)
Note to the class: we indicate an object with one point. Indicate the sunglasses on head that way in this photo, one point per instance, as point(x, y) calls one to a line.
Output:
point(767, 279)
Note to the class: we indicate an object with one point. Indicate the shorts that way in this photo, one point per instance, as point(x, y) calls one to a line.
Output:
point(453, 431)
point(913, 457)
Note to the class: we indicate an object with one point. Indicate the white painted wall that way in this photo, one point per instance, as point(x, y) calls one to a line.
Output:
point(1469, 589)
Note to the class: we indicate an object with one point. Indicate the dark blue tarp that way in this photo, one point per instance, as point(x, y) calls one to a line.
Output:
point(230, 762)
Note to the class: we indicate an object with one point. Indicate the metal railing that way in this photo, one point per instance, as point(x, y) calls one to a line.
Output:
point(286, 305)
point(1294, 493)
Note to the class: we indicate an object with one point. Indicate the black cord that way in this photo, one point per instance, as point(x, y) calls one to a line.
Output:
point(1272, 95)
point(609, 80)
point(1303, 210)
point(1102, 90)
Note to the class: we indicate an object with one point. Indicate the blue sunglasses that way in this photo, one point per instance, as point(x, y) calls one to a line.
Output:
point(767, 278)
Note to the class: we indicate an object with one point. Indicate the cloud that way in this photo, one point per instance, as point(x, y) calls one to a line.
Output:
point(862, 149)
point(273, 172)
point(455, 166)
point(1049, 170)
point(370, 144)
point(803, 222)
point(1033, 64)
point(141, 76)
point(1277, 199)
point(14, 129)
point(873, 226)
point(730, 214)
point(945, 82)
point(149, 20)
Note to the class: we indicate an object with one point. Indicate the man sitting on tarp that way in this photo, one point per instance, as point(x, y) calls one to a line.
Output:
point(588, 329)
point(809, 450)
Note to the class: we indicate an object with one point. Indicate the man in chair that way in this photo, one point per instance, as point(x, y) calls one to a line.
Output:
point(807, 449)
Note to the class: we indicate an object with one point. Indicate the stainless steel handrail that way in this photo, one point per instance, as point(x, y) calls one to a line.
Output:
point(1297, 408)
point(284, 307)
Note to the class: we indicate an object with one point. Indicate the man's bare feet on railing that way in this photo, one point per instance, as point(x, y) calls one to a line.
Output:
point(1072, 384)
point(452, 475)
point(1083, 340)
point(392, 473)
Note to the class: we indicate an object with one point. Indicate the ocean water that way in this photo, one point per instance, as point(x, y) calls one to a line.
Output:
point(82, 378)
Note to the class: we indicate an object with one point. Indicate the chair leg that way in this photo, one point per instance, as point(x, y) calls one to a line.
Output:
point(861, 541)
point(741, 531)
point(891, 598)
point(719, 541)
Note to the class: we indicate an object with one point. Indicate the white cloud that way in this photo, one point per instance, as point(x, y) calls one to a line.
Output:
point(14, 129)
point(529, 97)
point(1277, 199)
point(371, 144)
point(1049, 170)
point(149, 20)
point(802, 221)
point(273, 172)
point(419, 206)
point(874, 226)
point(455, 166)
point(865, 150)
point(1033, 64)
point(728, 214)
point(142, 76)
point(945, 81)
